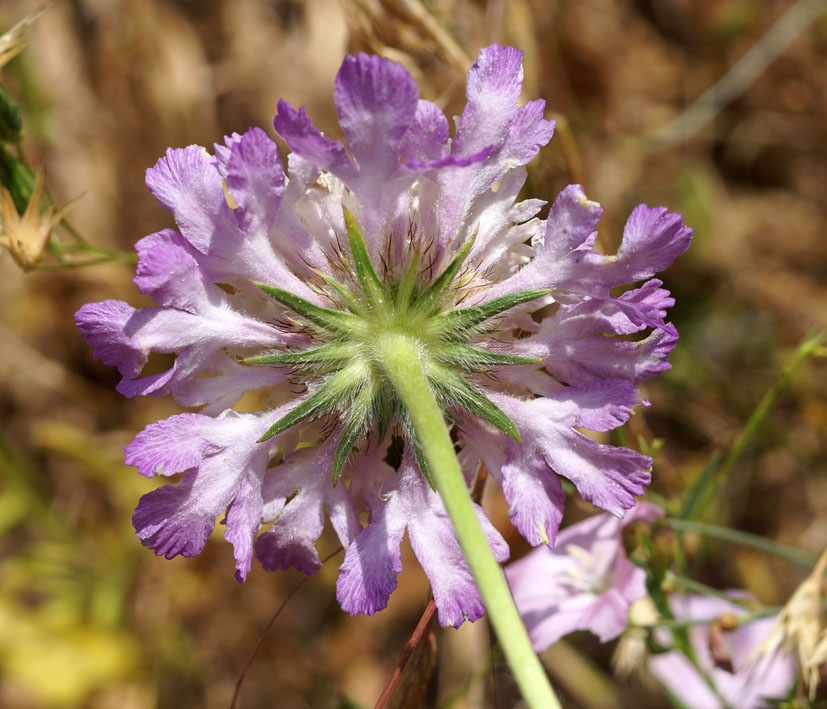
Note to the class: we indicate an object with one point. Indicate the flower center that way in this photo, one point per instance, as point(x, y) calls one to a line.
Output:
point(346, 365)
point(589, 573)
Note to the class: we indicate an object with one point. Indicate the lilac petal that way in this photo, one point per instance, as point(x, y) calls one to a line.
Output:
point(606, 476)
point(255, 179)
point(566, 262)
point(541, 583)
point(376, 100)
point(377, 104)
point(124, 336)
point(534, 494)
point(652, 240)
point(102, 324)
point(494, 84)
point(173, 445)
point(286, 548)
point(243, 522)
point(492, 119)
point(601, 405)
point(291, 541)
point(301, 239)
point(188, 183)
point(295, 494)
point(367, 577)
point(223, 152)
point(195, 338)
point(178, 519)
point(169, 273)
point(427, 136)
point(372, 561)
point(416, 166)
point(527, 134)
point(608, 618)
point(307, 141)
point(571, 225)
point(226, 383)
point(564, 259)
point(435, 545)
point(185, 367)
point(646, 304)
point(576, 344)
point(501, 228)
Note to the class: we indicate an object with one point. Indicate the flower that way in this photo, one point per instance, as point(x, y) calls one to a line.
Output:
point(742, 683)
point(283, 284)
point(585, 582)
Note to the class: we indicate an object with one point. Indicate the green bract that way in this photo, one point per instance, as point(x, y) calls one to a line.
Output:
point(347, 362)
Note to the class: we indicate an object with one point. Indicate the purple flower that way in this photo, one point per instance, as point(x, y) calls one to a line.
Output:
point(281, 283)
point(746, 684)
point(585, 582)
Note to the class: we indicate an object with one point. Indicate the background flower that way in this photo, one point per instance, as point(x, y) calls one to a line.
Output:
point(585, 582)
point(748, 684)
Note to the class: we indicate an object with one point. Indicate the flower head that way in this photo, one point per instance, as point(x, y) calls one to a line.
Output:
point(290, 284)
point(586, 582)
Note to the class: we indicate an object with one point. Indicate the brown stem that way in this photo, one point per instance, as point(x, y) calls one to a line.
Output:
point(410, 646)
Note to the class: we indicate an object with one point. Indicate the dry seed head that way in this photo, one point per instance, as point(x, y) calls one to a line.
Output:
point(13, 41)
point(799, 625)
point(26, 236)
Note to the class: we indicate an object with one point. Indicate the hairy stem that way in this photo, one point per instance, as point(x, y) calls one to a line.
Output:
point(400, 358)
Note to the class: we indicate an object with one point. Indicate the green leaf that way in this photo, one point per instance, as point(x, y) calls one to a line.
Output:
point(386, 405)
point(350, 300)
point(424, 467)
point(332, 354)
point(430, 299)
point(333, 321)
point(454, 388)
point(467, 357)
point(373, 287)
point(458, 322)
point(406, 286)
point(336, 389)
point(360, 415)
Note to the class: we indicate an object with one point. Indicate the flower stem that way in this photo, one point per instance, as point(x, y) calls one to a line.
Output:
point(400, 358)
point(811, 345)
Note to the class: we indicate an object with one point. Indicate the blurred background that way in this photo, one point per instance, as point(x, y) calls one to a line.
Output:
point(89, 618)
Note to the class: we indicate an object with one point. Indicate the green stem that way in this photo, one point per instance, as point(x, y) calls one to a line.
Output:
point(698, 587)
point(810, 345)
point(400, 358)
point(736, 536)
